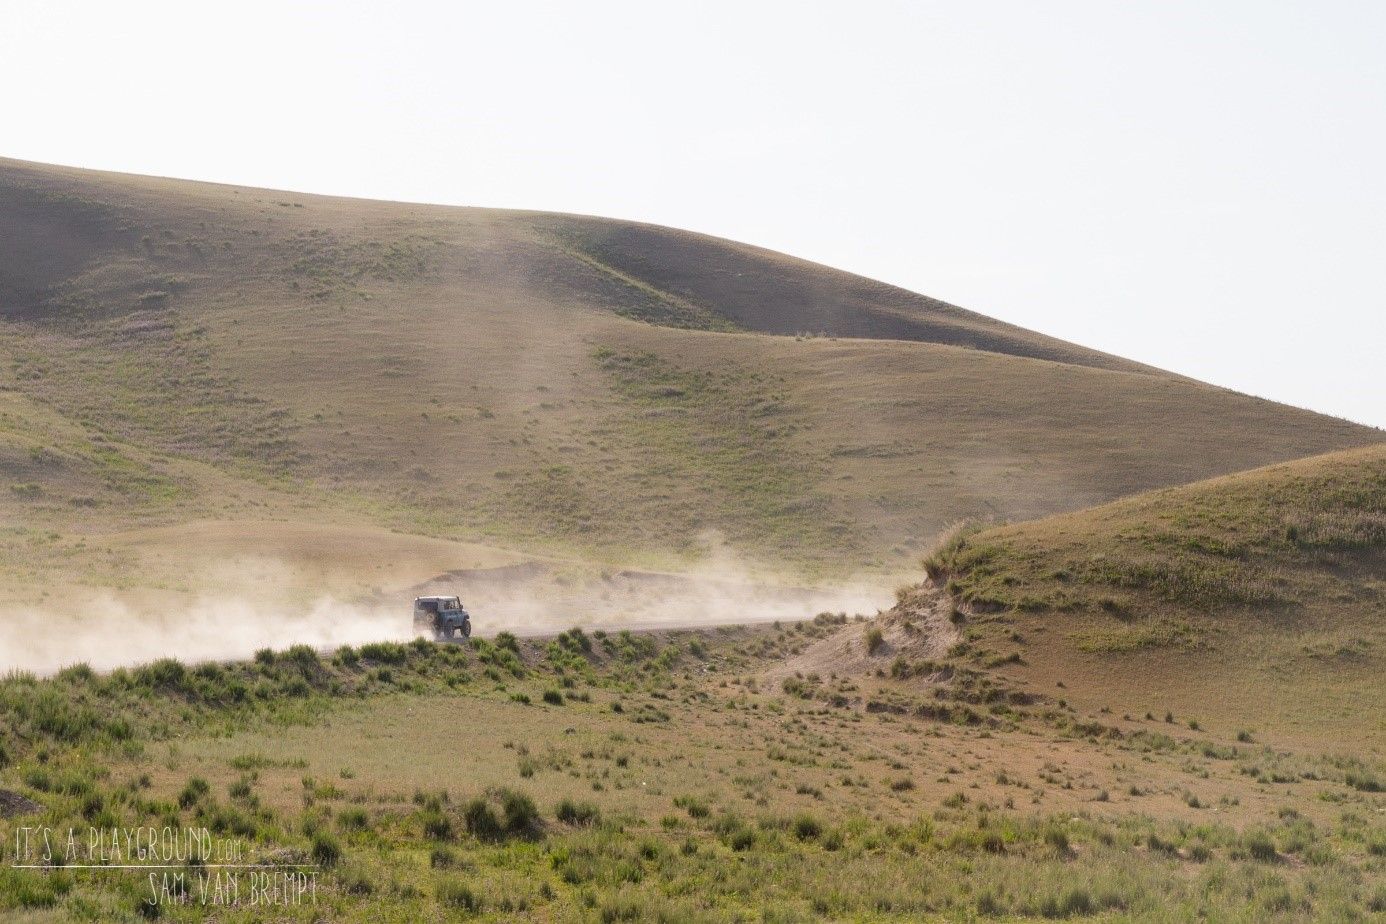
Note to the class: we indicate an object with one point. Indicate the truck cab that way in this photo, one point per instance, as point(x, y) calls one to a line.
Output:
point(443, 617)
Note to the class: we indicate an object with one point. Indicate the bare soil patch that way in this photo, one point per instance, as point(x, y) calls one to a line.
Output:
point(920, 628)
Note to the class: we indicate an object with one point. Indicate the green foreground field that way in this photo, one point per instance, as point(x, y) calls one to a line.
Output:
point(681, 776)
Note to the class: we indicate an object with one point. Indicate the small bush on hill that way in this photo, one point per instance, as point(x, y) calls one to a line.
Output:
point(577, 813)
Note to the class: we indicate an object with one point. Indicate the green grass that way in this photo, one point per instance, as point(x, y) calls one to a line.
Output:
point(727, 434)
point(685, 455)
point(746, 803)
point(1269, 538)
point(1257, 594)
point(122, 711)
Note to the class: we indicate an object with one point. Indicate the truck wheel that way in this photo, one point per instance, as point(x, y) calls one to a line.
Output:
point(449, 631)
point(467, 629)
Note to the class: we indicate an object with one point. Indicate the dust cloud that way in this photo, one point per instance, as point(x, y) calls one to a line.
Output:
point(535, 598)
point(109, 633)
point(645, 600)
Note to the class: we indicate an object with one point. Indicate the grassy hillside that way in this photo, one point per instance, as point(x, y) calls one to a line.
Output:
point(1256, 597)
point(174, 352)
point(224, 409)
point(733, 285)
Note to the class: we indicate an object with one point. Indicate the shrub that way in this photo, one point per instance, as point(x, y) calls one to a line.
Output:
point(575, 640)
point(806, 827)
point(193, 792)
point(297, 687)
point(441, 858)
point(874, 639)
point(384, 652)
point(481, 821)
point(434, 802)
point(577, 813)
point(1259, 846)
point(38, 778)
point(1363, 781)
point(92, 804)
point(76, 673)
point(325, 849)
point(553, 697)
point(521, 815)
point(636, 906)
point(20, 889)
point(437, 826)
point(459, 895)
point(353, 819)
point(741, 839)
point(57, 717)
point(164, 673)
point(1154, 842)
point(302, 656)
point(1057, 838)
point(734, 832)
point(211, 671)
point(1074, 903)
point(356, 882)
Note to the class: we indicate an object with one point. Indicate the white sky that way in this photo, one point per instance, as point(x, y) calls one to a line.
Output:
point(1200, 185)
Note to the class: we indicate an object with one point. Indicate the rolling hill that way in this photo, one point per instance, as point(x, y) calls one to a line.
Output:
point(1167, 707)
point(244, 423)
point(1257, 598)
point(175, 353)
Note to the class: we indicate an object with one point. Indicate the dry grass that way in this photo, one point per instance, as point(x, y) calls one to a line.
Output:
point(1168, 707)
point(202, 352)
